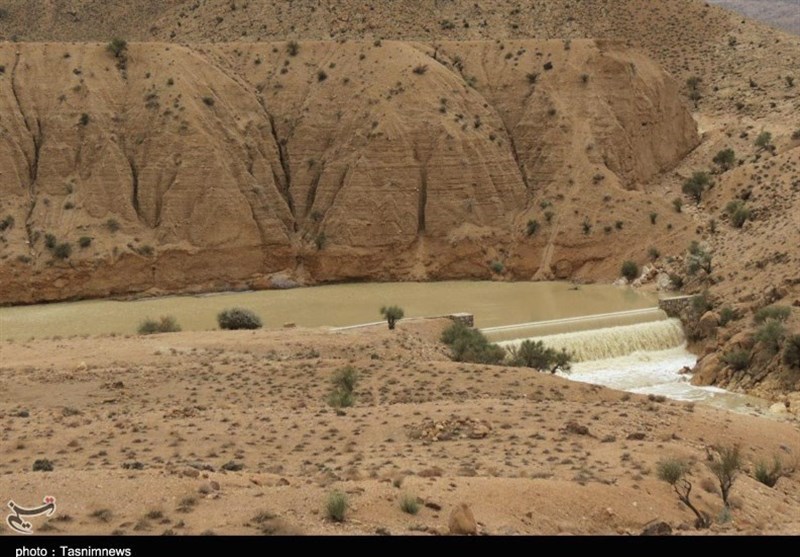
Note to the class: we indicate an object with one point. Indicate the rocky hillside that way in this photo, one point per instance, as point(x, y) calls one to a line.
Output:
point(234, 165)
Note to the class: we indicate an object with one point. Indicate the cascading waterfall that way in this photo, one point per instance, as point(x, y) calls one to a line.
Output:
point(614, 342)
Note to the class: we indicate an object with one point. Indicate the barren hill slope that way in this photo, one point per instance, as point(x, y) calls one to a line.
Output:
point(783, 14)
point(217, 166)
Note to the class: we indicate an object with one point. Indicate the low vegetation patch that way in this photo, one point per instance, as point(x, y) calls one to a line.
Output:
point(534, 354)
point(336, 506)
point(238, 318)
point(165, 324)
point(470, 345)
point(344, 384)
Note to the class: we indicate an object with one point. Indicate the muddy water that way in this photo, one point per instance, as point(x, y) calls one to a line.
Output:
point(493, 304)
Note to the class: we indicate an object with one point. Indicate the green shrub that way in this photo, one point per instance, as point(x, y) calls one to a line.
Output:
point(771, 334)
point(725, 159)
point(630, 270)
point(84, 120)
point(62, 250)
point(321, 76)
point(769, 475)
point(698, 259)
point(50, 241)
point(292, 48)
point(165, 324)
point(725, 465)
point(534, 354)
point(764, 140)
point(726, 315)
point(674, 471)
point(336, 506)
point(43, 465)
point(532, 227)
point(117, 47)
point(238, 318)
point(393, 314)
point(497, 267)
point(344, 384)
point(6, 223)
point(470, 345)
point(676, 280)
point(779, 313)
point(737, 359)
point(738, 212)
point(677, 203)
point(85, 242)
point(696, 185)
point(791, 352)
point(702, 303)
point(409, 504)
point(112, 225)
point(653, 253)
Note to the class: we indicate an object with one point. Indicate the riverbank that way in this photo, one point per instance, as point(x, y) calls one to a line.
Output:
point(230, 432)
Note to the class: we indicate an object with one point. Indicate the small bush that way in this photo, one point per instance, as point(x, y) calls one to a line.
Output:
point(676, 280)
point(84, 242)
point(336, 506)
point(470, 345)
point(117, 47)
point(292, 48)
point(532, 227)
point(409, 504)
point(791, 352)
point(725, 159)
point(702, 303)
point(771, 334)
point(532, 77)
point(421, 69)
point(84, 120)
point(769, 475)
point(738, 212)
point(238, 318)
point(698, 259)
point(796, 134)
point(630, 270)
point(62, 250)
point(497, 267)
point(43, 465)
point(208, 101)
point(764, 140)
point(50, 241)
point(344, 385)
point(165, 324)
point(726, 315)
point(737, 359)
point(653, 253)
point(112, 225)
point(677, 204)
point(393, 314)
point(696, 185)
point(535, 355)
point(321, 76)
point(779, 313)
point(674, 471)
point(725, 465)
point(653, 218)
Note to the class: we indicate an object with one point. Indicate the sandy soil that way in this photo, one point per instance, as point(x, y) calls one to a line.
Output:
point(140, 429)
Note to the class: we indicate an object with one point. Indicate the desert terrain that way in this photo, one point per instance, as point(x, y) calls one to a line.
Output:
point(230, 433)
point(187, 147)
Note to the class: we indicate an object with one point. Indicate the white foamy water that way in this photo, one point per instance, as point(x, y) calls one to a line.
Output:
point(615, 342)
point(659, 373)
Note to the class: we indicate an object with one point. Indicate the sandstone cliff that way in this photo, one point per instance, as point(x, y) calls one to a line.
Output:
point(225, 166)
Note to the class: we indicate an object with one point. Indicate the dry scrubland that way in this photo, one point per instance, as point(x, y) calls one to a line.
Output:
point(231, 433)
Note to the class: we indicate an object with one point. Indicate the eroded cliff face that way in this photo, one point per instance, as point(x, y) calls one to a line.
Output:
point(191, 168)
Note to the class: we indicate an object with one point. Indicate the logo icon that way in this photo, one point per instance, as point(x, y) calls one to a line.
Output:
point(16, 521)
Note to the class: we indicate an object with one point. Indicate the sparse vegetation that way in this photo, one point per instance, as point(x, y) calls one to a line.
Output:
point(470, 345)
point(84, 120)
point(393, 314)
point(6, 223)
point(771, 334)
point(84, 242)
point(336, 506)
point(779, 313)
point(675, 472)
point(118, 47)
point(208, 101)
point(292, 48)
point(725, 159)
point(497, 267)
point(726, 315)
point(42, 465)
point(738, 212)
point(532, 227)
point(409, 504)
point(769, 475)
point(725, 465)
point(630, 270)
point(677, 204)
point(112, 225)
point(535, 355)
point(764, 140)
point(739, 360)
point(321, 76)
point(165, 324)
point(653, 218)
point(698, 259)
point(653, 253)
point(696, 185)
point(62, 251)
point(238, 318)
point(344, 384)
point(791, 352)
point(421, 69)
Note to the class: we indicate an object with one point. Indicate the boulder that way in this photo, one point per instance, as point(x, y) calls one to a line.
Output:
point(706, 370)
point(462, 521)
point(707, 326)
point(660, 528)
